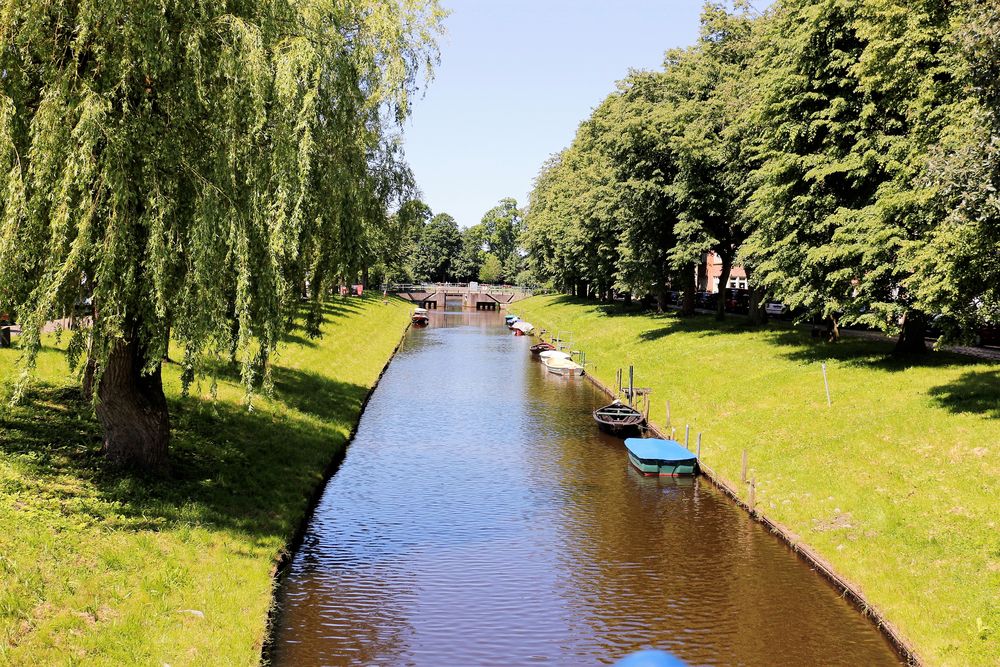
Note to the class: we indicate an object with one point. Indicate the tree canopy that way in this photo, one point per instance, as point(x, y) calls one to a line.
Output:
point(843, 152)
point(188, 168)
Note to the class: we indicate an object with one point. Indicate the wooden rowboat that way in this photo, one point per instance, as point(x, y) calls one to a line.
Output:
point(560, 366)
point(420, 317)
point(619, 418)
point(538, 348)
point(661, 458)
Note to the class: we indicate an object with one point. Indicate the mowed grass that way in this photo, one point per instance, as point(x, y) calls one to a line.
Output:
point(101, 568)
point(897, 484)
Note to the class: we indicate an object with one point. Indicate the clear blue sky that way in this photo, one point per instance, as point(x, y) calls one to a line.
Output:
point(516, 79)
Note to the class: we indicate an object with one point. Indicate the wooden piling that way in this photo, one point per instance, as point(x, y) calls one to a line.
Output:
point(687, 436)
point(698, 453)
point(826, 384)
point(752, 502)
point(668, 413)
point(743, 468)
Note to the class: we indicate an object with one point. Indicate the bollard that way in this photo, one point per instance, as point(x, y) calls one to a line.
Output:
point(826, 384)
point(743, 469)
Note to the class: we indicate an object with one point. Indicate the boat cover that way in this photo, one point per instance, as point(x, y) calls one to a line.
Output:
point(523, 326)
point(658, 450)
point(554, 354)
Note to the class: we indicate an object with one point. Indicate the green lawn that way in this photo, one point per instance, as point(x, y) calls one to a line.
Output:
point(897, 484)
point(99, 568)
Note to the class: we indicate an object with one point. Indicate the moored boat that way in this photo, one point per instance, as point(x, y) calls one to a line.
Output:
point(560, 366)
point(510, 319)
point(522, 328)
point(618, 418)
point(554, 354)
point(420, 317)
point(654, 457)
point(538, 348)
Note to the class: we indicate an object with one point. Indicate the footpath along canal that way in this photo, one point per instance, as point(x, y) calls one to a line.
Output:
point(480, 518)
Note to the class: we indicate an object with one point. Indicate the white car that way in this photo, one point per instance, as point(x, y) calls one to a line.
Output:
point(775, 308)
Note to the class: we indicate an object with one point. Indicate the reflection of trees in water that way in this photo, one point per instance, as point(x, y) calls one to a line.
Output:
point(672, 563)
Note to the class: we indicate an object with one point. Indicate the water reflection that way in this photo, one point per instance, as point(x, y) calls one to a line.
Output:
point(481, 518)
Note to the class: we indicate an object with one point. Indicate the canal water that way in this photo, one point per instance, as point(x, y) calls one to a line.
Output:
point(480, 518)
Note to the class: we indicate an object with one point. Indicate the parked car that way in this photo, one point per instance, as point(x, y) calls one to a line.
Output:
point(775, 309)
point(738, 301)
point(988, 334)
point(706, 300)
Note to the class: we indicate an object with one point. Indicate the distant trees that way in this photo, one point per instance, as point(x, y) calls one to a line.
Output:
point(439, 244)
point(843, 152)
point(491, 269)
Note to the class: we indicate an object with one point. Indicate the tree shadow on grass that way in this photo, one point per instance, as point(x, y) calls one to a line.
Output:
point(975, 392)
point(232, 469)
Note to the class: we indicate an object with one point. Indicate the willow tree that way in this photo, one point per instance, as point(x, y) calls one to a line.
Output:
point(189, 167)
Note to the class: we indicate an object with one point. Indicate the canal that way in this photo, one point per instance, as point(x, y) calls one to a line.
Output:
point(480, 518)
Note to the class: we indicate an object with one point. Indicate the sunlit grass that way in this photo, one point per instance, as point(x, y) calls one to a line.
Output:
point(897, 483)
point(99, 568)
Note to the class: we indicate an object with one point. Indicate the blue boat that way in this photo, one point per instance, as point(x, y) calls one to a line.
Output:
point(661, 458)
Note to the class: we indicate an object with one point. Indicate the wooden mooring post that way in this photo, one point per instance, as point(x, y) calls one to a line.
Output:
point(698, 453)
point(743, 468)
point(668, 413)
point(687, 436)
point(752, 501)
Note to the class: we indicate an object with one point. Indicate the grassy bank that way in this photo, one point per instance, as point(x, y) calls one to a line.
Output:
point(897, 484)
point(99, 568)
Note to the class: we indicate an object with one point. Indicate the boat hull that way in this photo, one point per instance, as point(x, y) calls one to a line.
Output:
point(620, 430)
point(658, 468)
point(567, 370)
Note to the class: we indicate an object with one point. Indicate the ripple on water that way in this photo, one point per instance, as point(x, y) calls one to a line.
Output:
point(480, 519)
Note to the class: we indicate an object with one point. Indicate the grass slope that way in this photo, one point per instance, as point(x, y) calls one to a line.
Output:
point(103, 569)
point(897, 484)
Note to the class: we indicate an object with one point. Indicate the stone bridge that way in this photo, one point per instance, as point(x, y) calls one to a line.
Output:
point(473, 297)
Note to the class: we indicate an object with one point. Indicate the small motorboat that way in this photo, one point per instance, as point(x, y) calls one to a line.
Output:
point(560, 366)
point(554, 354)
point(521, 328)
point(661, 458)
point(618, 418)
point(510, 319)
point(538, 348)
point(420, 317)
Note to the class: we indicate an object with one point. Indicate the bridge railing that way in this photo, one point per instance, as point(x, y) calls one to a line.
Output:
point(462, 287)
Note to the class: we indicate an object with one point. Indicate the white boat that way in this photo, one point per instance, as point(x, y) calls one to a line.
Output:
point(562, 366)
point(554, 354)
point(522, 326)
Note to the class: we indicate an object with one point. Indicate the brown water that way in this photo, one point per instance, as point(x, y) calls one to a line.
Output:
point(480, 518)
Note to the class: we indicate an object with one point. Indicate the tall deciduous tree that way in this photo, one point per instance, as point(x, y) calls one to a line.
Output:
point(502, 227)
point(191, 165)
point(440, 242)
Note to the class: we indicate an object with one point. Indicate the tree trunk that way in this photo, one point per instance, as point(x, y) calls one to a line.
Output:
point(912, 339)
point(133, 410)
point(687, 306)
point(832, 329)
point(364, 277)
point(756, 314)
point(727, 268)
point(661, 297)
